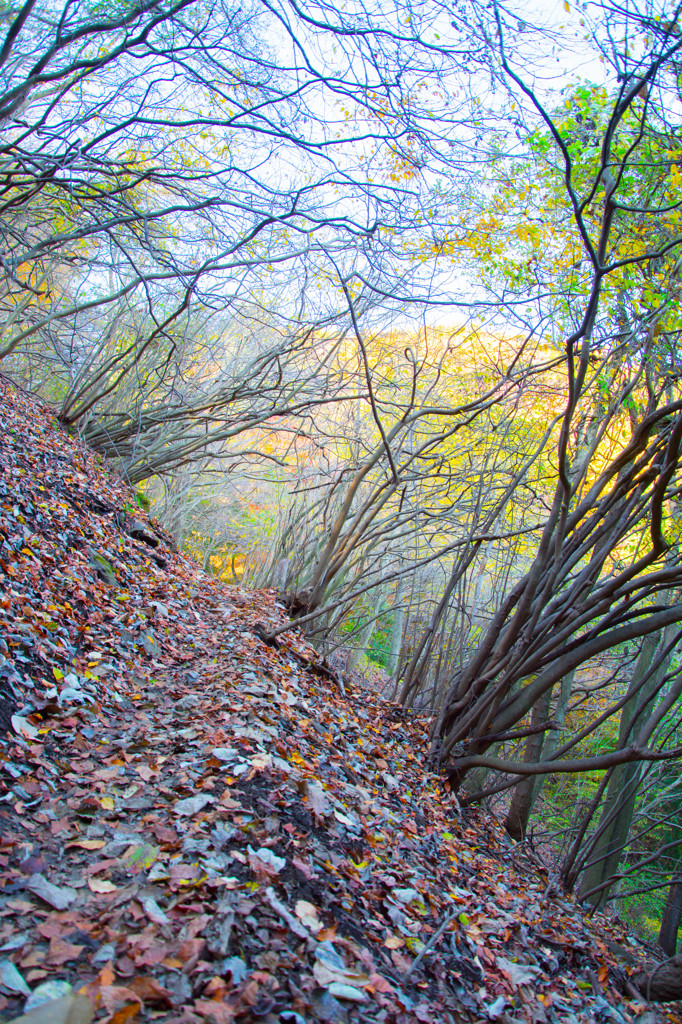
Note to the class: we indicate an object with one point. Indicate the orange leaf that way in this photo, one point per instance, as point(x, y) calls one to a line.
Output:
point(216, 988)
point(100, 885)
point(87, 844)
point(125, 1013)
point(189, 949)
point(106, 975)
point(172, 963)
point(379, 983)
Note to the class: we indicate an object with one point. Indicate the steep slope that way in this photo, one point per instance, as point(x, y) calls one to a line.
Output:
point(195, 826)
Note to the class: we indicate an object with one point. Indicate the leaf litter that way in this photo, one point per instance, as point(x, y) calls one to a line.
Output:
point(196, 826)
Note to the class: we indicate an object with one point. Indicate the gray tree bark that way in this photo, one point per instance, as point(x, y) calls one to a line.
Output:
point(516, 821)
point(672, 914)
point(616, 817)
point(539, 747)
point(396, 633)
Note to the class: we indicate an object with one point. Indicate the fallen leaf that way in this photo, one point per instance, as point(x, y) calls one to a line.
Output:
point(150, 990)
point(518, 974)
point(11, 979)
point(190, 950)
point(317, 800)
point(496, 1008)
point(126, 1013)
point(23, 727)
point(192, 804)
point(403, 963)
point(307, 915)
point(286, 915)
point(101, 885)
point(136, 858)
point(186, 874)
point(59, 897)
point(226, 753)
point(379, 983)
point(347, 992)
point(326, 977)
point(217, 1013)
point(237, 969)
point(264, 862)
point(303, 867)
point(120, 999)
point(62, 952)
point(153, 910)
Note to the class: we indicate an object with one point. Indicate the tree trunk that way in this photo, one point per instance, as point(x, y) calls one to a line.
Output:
point(174, 515)
point(393, 660)
point(672, 914)
point(539, 747)
point(663, 983)
point(516, 821)
point(614, 825)
point(552, 737)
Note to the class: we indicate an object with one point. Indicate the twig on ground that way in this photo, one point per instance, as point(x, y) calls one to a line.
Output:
point(430, 944)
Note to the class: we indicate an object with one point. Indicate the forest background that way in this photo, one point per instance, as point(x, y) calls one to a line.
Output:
point(381, 307)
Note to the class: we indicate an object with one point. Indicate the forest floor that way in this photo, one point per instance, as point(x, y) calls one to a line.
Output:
point(198, 827)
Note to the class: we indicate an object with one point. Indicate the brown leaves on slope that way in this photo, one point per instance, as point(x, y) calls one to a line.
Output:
point(195, 827)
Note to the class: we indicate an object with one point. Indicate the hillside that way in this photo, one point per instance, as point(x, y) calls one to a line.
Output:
point(196, 826)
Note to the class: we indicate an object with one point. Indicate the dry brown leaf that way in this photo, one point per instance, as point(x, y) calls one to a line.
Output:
point(61, 952)
point(117, 998)
point(220, 1013)
point(400, 961)
point(150, 990)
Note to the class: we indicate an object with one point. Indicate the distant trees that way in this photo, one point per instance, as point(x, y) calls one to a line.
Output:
point(406, 474)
